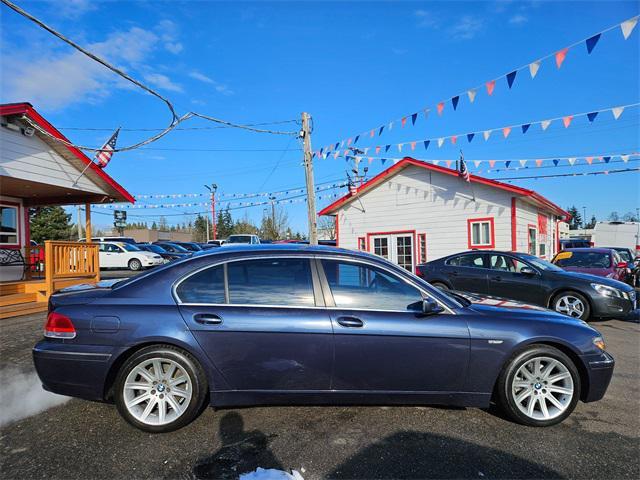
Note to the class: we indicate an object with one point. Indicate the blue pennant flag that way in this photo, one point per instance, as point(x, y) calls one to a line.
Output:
point(592, 116)
point(380, 131)
point(511, 78)
point(591, 42)
point(556, 162)
point(355, 141)
point(321, 150)
point(454, 101)
point(413, 118)
point(525, 127)
point(337, 145)
point(606, 159)
point(507, 163)
point(470, 136)
point(383, 160)
point(387, 147)
point(426, 144)
point(313, 155)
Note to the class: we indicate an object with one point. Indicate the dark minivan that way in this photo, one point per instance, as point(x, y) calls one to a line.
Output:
point(529, 279)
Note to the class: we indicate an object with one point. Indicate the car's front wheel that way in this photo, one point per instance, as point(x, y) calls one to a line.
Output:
point(160, 389)
point(440, 286)
point(572, 304)
point(539, 386)
point(135, 265)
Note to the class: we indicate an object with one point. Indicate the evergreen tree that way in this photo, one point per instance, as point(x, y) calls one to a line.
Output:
point(224, 223)
point(50, 223)
point(592, 222)
point(576, 218)
point(199, 233)
point(154, 226)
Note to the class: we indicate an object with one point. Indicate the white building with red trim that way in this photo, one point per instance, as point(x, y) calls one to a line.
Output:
point(415, 212)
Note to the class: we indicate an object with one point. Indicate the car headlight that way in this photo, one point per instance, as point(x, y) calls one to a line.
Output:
point(608, 291)
point(599, 342)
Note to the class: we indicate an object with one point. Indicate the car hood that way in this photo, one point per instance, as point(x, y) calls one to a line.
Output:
point(496, 306)
point(588, 278)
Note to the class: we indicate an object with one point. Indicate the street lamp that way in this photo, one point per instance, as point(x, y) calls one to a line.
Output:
point(213, 188)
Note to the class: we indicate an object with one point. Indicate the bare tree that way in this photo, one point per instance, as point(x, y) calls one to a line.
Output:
point(327, 228)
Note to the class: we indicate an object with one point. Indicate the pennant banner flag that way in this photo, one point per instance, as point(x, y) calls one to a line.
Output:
point(591, 42)
point(592, 116)
point(472, 95)
point(525, 127)
point(511, 78)
point(567, 120)
point(490, 86)
point(560, 56)
point(470, 136)
point(545, 124)
point(628, 26)
point(454, 102)
point(617, 111)
point(440, 108)
point(533, 68)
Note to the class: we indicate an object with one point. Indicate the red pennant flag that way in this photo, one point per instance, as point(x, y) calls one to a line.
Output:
point(506, 131)
point(589, 160)
point(372, 133)
point(538, 163)
point(490, 86)
point(454, 139)
point(567, 120)
point(404, 120)
point(449, 162)
point(560, 56)
point(377, 150)
point(440, 108)
point(492, 163)
point(348, 142)
point(413, 145)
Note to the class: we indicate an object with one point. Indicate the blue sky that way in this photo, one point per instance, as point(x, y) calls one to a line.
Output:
point(353, 65)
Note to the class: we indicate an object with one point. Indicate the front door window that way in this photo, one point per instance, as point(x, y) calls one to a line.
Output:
point(397, 248)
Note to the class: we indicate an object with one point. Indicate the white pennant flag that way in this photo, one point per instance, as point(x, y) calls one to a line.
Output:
point(436, 162)
point(477, 163)
point(366, 150)
point(400, 146)
point(617, 111)
point(533, 68)
point(396, 160)
point(572, 161)
point(628, 26)
point(486, 134)
point(545, 124)
point(440, 142)
point(472, 95)
point(523, 163)
point(391, 126)
point(625, 158)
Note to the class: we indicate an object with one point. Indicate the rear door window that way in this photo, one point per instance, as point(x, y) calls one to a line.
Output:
point(206, 286)
point(277, 281)
point(470, 260)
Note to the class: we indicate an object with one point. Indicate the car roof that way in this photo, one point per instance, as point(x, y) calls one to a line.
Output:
point(586, 249)
point(282, 248)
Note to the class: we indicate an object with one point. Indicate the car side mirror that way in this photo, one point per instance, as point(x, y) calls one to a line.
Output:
point(527, 271)
point(430, 307)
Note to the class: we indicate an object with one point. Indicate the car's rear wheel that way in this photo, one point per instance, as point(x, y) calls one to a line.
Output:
point(135, 264)
point(160, 389)
point(539, 386)
point(572, 304)
point(440, 285)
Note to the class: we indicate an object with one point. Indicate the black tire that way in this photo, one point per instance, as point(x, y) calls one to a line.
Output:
point(440, 286)
point(191, 367)
point(505, 395)
point(570, 293)
point(135, 265)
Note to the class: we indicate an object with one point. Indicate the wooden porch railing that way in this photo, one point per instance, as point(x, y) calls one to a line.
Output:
point(70, 260)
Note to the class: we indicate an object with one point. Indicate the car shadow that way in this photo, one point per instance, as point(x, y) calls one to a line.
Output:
point(412, 454)
point(241, 452)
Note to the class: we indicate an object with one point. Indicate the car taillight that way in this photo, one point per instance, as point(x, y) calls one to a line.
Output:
point(418, 271)
point(59, 326)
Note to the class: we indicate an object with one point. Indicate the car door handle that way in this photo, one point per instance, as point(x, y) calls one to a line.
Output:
point(497, 278)
point(453, 274)
point(350, 322)
point(207, 319)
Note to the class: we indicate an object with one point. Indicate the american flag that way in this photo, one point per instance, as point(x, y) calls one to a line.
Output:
point(105, 155)
point(463, 172)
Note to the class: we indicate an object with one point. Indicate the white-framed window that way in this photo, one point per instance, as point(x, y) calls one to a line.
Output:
point(362, 244)
point(9, 225)
point(533, 239)
point(422, 247)
point(481, 232)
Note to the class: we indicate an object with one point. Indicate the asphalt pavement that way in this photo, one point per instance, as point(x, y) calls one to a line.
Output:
point(79, 439)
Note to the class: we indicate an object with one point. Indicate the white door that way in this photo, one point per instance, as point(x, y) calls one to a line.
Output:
point(111, 256)
point(397, 247)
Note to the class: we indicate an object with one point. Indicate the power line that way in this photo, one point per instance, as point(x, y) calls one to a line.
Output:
point(96, 129)
point(602, 172)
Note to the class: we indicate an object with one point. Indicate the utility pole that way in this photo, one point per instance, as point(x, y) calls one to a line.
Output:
point(213, 188)
point(273, 216)
point(305, 133)
point(79, 222)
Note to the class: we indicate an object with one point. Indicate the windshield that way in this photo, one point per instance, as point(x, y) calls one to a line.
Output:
point(154, 249)
point(541, 264)
point(239, 239)
point(177, 248)
point(625, 256)
point(191, 246)
point(129, 247)
point(583, 259)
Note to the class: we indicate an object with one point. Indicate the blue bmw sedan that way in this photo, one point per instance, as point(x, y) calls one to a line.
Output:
point(304, 325)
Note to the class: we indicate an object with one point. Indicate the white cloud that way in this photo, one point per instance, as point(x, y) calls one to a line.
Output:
point(174, 48)
point(162, 81)
point(518, 19)
point(426, 19)
point(72, 9)
point(223, 89)
point(467, 27)
point(201, 76)
point(168, 32)
point(51, 80)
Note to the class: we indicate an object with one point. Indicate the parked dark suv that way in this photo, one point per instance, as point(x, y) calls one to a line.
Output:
point(529, 279)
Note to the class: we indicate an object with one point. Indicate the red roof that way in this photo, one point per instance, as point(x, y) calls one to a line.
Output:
point(407, 161)
point(27, 109)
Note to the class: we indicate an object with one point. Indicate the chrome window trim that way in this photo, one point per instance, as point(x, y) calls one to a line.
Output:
point(309, 257)
point(489, 261)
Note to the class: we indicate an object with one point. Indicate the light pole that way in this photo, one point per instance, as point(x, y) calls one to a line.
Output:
point(584, 220)
point(213, 189)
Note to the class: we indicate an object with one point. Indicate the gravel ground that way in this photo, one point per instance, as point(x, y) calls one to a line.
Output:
point(79, 439)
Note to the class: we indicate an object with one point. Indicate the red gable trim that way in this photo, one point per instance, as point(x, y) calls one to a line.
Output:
point(406, 161)
point(29, 111)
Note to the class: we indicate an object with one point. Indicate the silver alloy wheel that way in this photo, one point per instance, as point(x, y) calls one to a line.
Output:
point(542, 388)
point(570, 305)
point(135, 264)
point(157, 391)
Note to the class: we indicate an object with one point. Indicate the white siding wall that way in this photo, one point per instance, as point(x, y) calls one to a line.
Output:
point(427, 202)
point(29, 158)
point(527, 214)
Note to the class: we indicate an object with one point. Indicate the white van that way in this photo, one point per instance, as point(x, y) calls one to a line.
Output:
point(125, 255)
point(618, 234)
